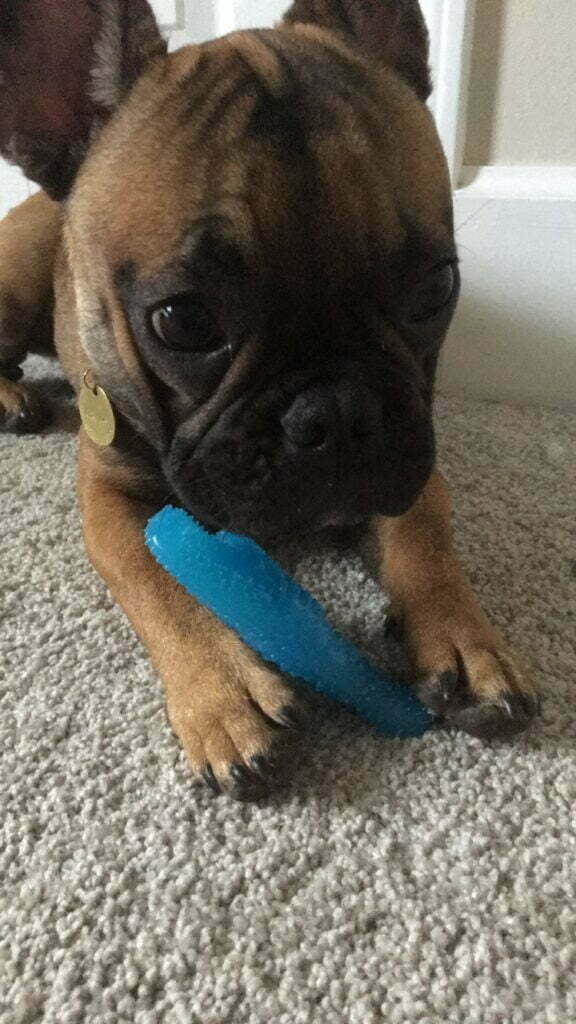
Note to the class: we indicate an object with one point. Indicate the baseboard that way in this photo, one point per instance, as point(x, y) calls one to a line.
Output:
point(511, 182)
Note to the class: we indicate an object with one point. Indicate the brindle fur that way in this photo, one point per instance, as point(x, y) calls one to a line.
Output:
point(268, 117)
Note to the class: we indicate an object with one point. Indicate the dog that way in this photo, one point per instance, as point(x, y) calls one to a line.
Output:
point(245, 254)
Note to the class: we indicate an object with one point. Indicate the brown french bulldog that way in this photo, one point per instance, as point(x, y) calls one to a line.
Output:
point(249, 245)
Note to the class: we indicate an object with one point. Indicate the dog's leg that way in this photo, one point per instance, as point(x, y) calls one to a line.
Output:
point(29, 239)
point(463, 667)
point(232, 714)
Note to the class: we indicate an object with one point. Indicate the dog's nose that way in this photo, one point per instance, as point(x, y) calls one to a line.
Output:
point(322, 417)
point(310, 420)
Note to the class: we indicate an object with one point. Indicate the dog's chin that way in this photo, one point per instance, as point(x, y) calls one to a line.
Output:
point(265, 530)
point(284, 524)
point(280, 515)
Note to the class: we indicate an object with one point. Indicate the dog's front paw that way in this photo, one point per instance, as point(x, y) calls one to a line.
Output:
point(464, 670)
point(22, 409)
point(237, 722)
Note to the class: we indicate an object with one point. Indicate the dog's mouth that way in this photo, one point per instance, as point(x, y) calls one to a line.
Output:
point(275, 509)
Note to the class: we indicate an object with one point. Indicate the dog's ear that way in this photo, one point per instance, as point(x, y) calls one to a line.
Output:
point(393, 32)
point(65, 66)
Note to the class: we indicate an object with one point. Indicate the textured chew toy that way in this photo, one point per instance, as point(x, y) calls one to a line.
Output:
point(250, 593)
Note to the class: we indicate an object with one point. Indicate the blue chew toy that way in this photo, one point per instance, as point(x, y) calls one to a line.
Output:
point(251, 594)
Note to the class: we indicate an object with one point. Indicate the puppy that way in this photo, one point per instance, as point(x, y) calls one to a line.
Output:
point(249, 252)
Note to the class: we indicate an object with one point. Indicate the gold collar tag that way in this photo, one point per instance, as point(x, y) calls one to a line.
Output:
point(96, 412)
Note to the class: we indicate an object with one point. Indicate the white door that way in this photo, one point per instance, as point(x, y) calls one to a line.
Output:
point(514, 336)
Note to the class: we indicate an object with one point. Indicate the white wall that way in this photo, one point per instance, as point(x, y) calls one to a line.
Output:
point(14, 188)
point(514, 334)
point(523, 83)
point(252, 13)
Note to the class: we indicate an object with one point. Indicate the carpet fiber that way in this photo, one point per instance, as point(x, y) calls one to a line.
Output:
point(430, 880)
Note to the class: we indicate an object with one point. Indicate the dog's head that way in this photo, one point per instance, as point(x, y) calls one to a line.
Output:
point(260, 235)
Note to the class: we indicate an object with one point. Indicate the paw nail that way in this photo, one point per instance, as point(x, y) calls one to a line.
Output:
point(393, 628)
point(513, 706)
point(211, 780)
point(521, 705)
point(239, 773)
point(448, 684)
point(261, 765)
point(290, 718)
point(438, 690)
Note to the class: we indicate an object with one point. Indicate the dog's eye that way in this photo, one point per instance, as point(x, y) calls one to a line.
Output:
point(430, 297)
point(187, 325)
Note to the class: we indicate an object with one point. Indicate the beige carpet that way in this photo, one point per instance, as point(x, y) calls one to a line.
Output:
point(426, 881)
